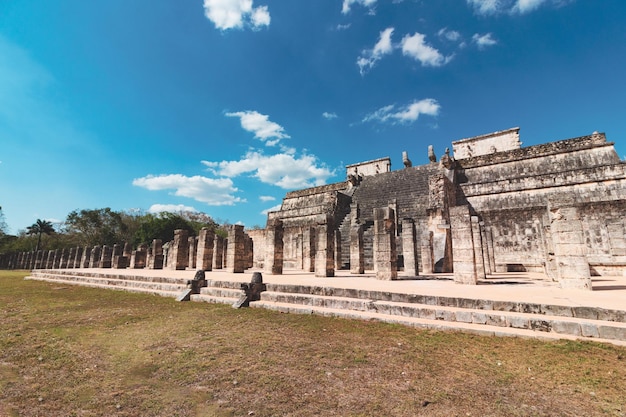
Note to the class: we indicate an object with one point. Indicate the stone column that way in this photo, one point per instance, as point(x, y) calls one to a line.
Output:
point(178, 257)
point(441, 195)
point(166, 253)
point(569, 248)
point(249, 251)
point(357, 255)
point(479, 257)
point(127, 250)
point(119, 260)
point(225, 254)
point(69, 260)
point(193, 244)
point(85, 260)
point(385, 255)
point(204, 257)
point(426, 248)
point(50, 260)
point(218, 252)
point(487, 249)
point(235, 251)
point(157, 259)
point(63, 258)
point(38, 258)
point(138, 257)
point(79, 257)
point(324, 251)
point(105, 261)
point(337, 249)
point(409, 248)
point(274, 246)
point(56, 259)
point(308, 249)
point(96, 253)
point(463, 246)
point(299, 252)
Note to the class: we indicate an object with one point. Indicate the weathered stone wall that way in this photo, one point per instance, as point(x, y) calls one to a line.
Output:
point(490, 143)
point(512, 192)
point(259, 247)
point(518, 238)
point(367, 168)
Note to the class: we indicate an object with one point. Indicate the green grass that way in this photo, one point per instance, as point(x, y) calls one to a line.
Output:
point(75, 351)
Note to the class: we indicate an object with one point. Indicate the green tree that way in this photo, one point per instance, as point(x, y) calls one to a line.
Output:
point(39, 228)
point(161, 226)
point(96, 227)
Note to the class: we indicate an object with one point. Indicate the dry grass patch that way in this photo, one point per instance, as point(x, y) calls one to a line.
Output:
point(74, 351)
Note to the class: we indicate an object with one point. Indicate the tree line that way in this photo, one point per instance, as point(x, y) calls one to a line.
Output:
point(104, 227)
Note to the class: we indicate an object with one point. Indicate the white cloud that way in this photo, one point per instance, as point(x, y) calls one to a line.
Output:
point(329, 116)
point(483, 41)
point(171, 208)
point(415, 46)
point(370, 57)
point(259, 124)
point(234, 14)
point(343, 27)
point(214, 192)
point(487, 7)
point(451, 35)
point(267, 198)
point(525, 6)
point(406, 114)
point(284, 170)
point(260, 16)
point(347, 4)
point(275, 208)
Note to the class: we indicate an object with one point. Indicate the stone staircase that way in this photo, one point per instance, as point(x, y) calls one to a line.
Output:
point(163, 286)
point(218, 291)
point(479, 316)
point(485, 317)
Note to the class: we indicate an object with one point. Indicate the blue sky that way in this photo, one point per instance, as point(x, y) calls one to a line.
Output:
point(222, 106)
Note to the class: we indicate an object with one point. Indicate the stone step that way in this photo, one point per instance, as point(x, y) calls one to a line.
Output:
point(209, 298)
point(221, 292)
point(113, 275)
point(100, 285)
point(507, 319)
point(581, 312)
point(480, 329)
point(118, 281)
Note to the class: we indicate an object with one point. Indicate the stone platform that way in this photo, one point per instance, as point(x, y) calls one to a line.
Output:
point(508, 304)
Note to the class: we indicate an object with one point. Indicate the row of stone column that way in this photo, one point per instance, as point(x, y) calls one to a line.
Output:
point(207, 251)
point(115, 256)
point(319, 252)
point(473, 251)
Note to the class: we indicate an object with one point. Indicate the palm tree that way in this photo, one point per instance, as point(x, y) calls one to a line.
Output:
point(38, 228)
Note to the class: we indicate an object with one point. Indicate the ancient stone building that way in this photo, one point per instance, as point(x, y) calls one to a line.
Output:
point(489, 206)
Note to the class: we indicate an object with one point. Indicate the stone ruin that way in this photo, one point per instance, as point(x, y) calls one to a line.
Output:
point(205, 252)
point(491, 206)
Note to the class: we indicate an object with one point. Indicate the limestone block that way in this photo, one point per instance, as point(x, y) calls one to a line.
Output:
point(324, 252)
point(204, 258)
point(274, 247)
point(235, 251)
point(566, 327)
point(385, 255)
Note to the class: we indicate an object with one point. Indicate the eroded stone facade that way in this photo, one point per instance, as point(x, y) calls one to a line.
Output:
point(493, 206)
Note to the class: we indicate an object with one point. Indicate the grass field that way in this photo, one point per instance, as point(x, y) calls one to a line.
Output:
point(74, 351)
